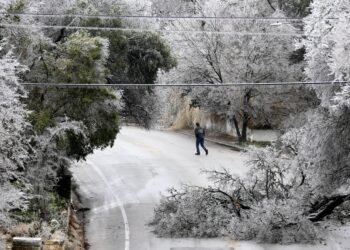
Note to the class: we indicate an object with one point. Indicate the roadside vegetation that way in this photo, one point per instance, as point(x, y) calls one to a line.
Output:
point(44, 130)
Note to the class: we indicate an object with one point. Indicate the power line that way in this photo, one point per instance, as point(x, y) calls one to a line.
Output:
point(237, 84)
point(164, 17)
point(152, 17)
point(232, 33)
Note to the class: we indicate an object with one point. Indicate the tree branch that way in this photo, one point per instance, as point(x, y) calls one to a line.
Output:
point(325, 207)
point(270, 4)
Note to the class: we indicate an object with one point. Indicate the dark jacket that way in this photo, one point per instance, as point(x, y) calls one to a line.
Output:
point(199, 132)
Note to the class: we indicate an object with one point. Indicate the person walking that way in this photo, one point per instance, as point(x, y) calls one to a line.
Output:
point(199, 132)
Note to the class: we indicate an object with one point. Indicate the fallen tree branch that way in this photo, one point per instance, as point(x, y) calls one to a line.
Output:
point(325, 207)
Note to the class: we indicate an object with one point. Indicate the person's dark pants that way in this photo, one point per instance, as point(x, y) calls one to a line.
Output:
point(200, 141)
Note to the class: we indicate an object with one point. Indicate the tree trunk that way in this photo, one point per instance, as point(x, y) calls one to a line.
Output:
point(280, 4)
point(235, 122)
point(325, 207)
point(245, 115)
point(270, 4)
point(243, 138)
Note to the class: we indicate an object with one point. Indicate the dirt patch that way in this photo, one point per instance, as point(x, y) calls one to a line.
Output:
point(77, 219)
point(76, 234)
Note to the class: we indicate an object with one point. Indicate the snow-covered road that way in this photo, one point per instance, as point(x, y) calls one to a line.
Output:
point(123, 184)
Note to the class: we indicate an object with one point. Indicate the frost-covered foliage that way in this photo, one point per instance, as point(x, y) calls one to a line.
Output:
point(37, 147)
point(12, 112)
point(285, 190)
point(326, 28)
point(50, 159)
point(34, 158)
point(92, 56)
point(84, 54)
point(50, 154)
point(341, 100)
point(28, 163)
point(216, 59)
point(11, 198)
point(268, 204)
point(327, 45)
point(327, 133)
point(293, 8)
point(191, 212)
point(304, 178)
point(325, 145)
point(81, 58)
point(13, 145)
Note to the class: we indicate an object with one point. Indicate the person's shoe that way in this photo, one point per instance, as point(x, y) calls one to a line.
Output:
point(197, 153)
point(207, 152)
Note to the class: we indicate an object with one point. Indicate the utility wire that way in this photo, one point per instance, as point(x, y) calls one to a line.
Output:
point(230, 33)
point(152, 17)
point(163, 17)
point(237, 84)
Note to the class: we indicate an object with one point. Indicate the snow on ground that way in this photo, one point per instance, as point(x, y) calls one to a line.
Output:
point(339, 236)
point(2, 242)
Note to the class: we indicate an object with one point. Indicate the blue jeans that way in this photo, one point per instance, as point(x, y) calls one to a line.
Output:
point(200, 141)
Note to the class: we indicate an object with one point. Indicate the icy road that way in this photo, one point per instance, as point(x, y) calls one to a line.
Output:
point(123, 184)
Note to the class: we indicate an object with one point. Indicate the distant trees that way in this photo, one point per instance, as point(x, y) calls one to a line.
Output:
point(217, 59)
point(292, 8)
point(144, 55)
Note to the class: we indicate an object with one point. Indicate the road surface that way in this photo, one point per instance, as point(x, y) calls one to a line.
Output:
point(123, 184)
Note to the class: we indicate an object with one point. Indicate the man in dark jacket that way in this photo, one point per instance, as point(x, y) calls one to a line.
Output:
point(200, 133)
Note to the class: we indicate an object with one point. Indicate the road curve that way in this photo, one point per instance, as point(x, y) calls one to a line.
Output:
point(123, 184)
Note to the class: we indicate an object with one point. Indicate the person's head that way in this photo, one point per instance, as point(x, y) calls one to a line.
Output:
point(197, 124)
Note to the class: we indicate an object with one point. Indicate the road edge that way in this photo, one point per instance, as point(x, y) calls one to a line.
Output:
point(233, 147)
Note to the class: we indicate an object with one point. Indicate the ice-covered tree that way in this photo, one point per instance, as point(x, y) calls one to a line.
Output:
point(326, 45)
point(217, 58)
point(268, 204)
point(80, 59)
point(13, 145)
point(327, 140)
point(133, 57)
